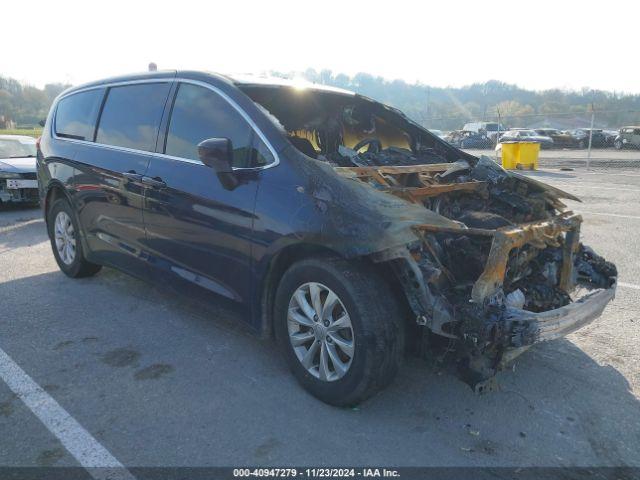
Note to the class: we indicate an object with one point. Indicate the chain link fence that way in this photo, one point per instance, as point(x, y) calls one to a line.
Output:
point(596, 140)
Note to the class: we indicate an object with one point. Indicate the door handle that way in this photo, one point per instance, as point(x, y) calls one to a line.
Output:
point(132, 175)
point(155, 182)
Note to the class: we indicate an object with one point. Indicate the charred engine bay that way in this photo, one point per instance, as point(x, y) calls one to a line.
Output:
point(514, 246)
point(485, 198)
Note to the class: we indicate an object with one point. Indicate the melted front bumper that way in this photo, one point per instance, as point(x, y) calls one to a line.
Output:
point(564, 320)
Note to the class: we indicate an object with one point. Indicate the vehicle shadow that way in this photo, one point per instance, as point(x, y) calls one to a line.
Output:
point(16, 207)
point(558, 408)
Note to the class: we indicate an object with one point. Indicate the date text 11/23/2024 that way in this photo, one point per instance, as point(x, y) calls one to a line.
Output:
point(316, 472)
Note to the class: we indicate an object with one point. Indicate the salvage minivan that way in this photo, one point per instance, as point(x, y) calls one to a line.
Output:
point(333, 221)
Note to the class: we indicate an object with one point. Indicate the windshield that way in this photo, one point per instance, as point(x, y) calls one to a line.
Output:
point(348, 130)
point(11, 148)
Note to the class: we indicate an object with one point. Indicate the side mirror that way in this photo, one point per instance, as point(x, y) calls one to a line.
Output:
point(42, 122)
point(217, 153)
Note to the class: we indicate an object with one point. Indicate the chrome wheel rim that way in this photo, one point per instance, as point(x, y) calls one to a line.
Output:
point(65, 238)
point(320, 331)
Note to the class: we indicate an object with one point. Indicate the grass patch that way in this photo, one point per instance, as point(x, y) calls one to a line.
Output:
point(32, 132)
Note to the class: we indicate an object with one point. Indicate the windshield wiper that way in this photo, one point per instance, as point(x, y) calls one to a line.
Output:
point(22, 156)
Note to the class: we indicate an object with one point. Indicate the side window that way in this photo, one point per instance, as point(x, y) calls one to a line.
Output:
point(76, 115)
point(199, 113)
point(131, 116)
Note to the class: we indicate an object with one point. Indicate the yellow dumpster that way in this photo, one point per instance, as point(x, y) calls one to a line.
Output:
point(519, 155)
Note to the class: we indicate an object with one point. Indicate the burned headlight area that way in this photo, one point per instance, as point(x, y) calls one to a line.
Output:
point(496, 291)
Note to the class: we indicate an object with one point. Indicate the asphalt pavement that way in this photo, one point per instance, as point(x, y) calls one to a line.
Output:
point(155, 380)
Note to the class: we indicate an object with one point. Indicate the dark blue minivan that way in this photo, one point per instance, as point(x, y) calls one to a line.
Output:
point(331, 220)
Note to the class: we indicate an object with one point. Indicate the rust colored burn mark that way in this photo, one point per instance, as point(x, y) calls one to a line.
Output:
point(434, 190)
point(505, 239)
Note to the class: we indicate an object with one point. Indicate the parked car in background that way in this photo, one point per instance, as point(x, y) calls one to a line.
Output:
point(561, 139)
point(466, 139)
point(598, 138)
point(525, 135)
point(18, 181)
point(610, 137)
point(629, 137)
point(490, 129)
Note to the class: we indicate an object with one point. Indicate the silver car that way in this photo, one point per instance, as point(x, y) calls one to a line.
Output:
point(18, 181)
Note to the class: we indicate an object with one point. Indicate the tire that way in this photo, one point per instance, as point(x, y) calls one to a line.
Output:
point(618, 144)
point(581, 145)
point(376, 329)
point(72, 262)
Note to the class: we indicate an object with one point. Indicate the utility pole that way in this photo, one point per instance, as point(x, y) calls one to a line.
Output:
point(427, 107)
point(498, 136)
point(593, 117)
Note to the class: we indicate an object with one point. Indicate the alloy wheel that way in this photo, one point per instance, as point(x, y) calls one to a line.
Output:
point(65, 238)
point(320, 331)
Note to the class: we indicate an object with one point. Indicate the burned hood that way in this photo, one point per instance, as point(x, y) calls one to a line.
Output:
point(359, 219)
point(356, 218)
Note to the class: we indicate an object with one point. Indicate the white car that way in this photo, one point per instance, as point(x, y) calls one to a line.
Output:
point(526, 135)
point(18, 180)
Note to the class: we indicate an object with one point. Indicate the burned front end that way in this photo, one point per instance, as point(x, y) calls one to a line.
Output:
point(493, 262)
point(512, 273)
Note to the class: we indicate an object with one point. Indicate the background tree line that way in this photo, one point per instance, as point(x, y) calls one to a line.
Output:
point(434, 107)
point(450, 108)
point(24, 104)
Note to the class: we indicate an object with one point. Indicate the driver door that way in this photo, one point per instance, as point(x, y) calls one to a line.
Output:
point(196, 229)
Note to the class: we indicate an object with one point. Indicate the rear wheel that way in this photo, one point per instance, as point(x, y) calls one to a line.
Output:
point(65, 241)
point(340, 329)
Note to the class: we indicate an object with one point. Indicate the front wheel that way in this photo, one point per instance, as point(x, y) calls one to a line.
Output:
point(618, 144)
point(340, 329)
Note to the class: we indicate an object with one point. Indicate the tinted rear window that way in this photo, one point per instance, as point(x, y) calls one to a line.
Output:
point(76, 115)
point(131, 116)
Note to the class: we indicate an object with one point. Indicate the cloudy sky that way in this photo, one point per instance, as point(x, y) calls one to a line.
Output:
point(541, 44)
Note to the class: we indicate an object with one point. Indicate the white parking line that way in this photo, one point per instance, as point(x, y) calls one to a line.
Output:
point(7, 227)
point(100, 464)
point(629, 285)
